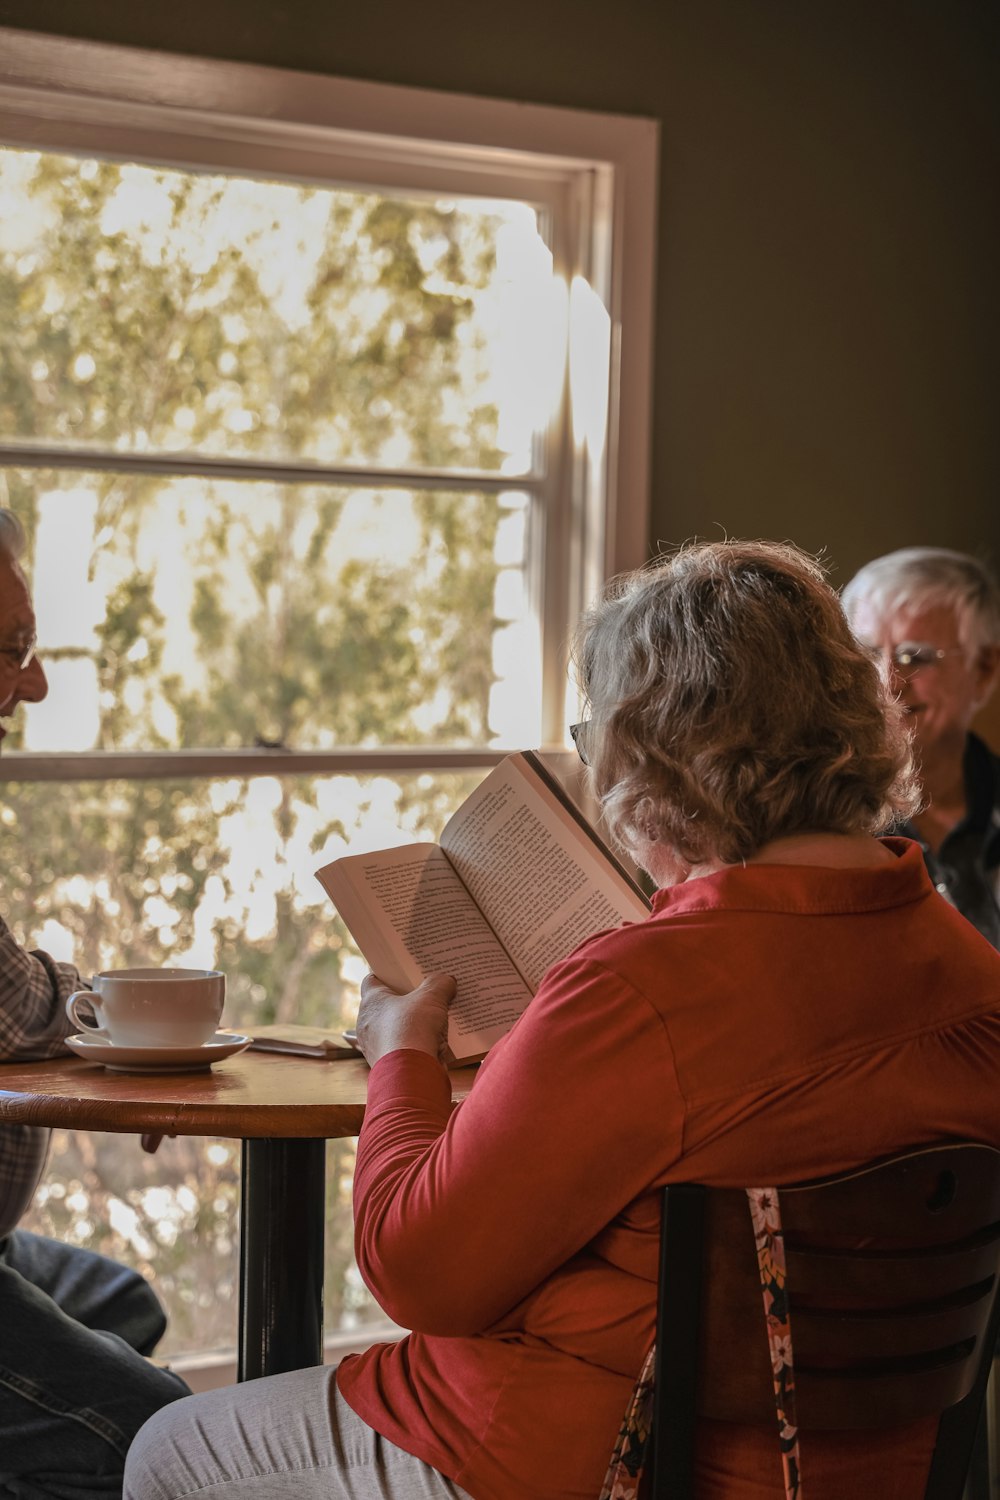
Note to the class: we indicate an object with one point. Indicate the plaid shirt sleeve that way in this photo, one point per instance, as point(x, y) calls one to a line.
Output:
point(33, 1025)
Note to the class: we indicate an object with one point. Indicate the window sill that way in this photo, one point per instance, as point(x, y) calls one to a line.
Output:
point(217, 1367)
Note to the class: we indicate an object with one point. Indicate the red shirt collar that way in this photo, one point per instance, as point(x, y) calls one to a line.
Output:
point(804, 888)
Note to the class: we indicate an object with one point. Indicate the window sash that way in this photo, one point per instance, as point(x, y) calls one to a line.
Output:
point(144, 765)
point(594, 176)
point(34, 455)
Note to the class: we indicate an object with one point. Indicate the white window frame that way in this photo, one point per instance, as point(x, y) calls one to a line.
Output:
point(596, 174)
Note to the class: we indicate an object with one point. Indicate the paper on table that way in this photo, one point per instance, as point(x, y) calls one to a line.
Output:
point(303, 1041)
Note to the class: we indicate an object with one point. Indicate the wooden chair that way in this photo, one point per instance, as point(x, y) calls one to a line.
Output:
point(900, 1329)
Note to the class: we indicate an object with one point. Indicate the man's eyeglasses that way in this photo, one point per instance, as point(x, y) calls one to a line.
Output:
point(20, 657)
point(914, 656)
point(578, 734)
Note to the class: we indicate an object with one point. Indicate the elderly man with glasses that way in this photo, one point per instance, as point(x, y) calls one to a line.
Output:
point(934, 616)
point(74, 1326)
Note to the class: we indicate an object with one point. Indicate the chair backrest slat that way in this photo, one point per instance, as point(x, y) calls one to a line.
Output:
point(900, 1277)
point(831, 1340)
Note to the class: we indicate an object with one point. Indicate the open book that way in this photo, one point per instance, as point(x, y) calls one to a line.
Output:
point(518, 880)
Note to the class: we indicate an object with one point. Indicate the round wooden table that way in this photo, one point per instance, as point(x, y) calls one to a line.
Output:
point(284, 1110)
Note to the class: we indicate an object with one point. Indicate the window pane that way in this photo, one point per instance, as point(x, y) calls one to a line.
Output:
point(174, 1217)
point(191, 613)
point(215, 872)
point(218, 874)
point(153, 309)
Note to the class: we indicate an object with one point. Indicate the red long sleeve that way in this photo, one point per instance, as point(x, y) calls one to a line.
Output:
point(803, 1018)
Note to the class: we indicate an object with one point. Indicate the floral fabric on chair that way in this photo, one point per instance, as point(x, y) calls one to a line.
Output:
point(628, 1456)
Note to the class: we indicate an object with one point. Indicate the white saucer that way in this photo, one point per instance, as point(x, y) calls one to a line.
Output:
point(157, 1059)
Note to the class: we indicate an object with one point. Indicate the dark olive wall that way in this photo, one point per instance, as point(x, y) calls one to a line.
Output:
point(827, 319)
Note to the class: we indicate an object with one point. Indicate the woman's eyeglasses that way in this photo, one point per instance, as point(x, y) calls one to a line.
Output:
point(578, 734)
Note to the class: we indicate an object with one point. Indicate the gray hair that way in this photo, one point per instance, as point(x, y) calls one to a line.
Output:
point(922, 577)
point(12, 540)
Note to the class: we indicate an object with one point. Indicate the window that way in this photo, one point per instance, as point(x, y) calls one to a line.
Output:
point(325, 407)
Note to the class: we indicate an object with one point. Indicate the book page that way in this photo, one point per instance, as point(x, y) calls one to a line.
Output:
point(541, 881)
point(410, 914)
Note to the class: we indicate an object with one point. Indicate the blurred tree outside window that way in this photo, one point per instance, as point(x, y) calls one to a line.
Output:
point(296, 463)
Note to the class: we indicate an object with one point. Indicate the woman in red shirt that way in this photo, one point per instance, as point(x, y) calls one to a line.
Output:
point(799, 1001)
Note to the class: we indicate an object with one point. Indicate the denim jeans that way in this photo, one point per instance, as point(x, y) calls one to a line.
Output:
point(286, 1437)
point(74, 1386)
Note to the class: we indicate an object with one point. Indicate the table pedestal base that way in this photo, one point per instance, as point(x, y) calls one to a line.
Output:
point(281, 1256)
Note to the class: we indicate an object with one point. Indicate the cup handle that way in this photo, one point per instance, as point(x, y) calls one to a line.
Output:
point(86, 1021)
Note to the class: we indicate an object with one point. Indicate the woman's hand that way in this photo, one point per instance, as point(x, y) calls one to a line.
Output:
point(419, 1020)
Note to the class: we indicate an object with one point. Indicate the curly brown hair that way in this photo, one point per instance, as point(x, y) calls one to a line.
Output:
point(731, 705)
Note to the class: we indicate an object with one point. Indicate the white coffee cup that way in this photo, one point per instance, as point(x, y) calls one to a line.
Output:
point(151, 1007)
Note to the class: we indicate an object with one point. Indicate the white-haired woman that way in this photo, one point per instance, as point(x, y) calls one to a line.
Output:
point(934, 615)
point(778, 1014)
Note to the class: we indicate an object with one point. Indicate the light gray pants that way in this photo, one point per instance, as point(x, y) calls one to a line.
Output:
point(288, 1437)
